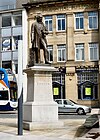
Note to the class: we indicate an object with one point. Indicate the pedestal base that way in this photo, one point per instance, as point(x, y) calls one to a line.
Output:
point(40, 111)
point(42, 125)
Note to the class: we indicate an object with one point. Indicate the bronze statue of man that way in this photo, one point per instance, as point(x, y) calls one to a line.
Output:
point(38, 40)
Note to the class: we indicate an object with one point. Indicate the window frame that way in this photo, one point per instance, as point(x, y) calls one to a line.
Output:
point(93, 16)
point(79, 17)
point(80, 48)
point(9, 46)
point(90, 47)
point(15, 42)
point(61, 19)
point(48, 22)
point(61, 47)
point(7, 15)
point(19, 15)
point(50, 49)
point(88, 79)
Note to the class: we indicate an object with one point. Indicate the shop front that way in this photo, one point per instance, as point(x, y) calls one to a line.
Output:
point(87, 85)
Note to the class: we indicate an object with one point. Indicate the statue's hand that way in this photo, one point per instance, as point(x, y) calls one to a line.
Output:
point(32, 41)
point(45, 32)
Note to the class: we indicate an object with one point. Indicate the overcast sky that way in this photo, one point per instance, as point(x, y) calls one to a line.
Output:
point(6, 2)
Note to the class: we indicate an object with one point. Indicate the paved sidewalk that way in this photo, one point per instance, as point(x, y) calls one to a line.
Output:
point(72, 130)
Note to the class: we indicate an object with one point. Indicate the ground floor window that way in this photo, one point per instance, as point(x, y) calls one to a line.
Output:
point(7, 64)
point(58, 82)
point(87, 84)
point(87, 91)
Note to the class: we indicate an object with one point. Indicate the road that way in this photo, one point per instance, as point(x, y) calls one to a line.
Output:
point(13, 114)
point(72, 116)
point(8, 114)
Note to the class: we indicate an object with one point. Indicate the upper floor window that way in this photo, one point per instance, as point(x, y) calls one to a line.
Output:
point(17, 19)
point(93, 20)
point(79, 20)
point(61, 22)
point(15, 42)
point(6, 43)
point(79, 52)
point(14, 19)
point(48, 22)
point(7, 4)
point(61, 53)
point(93, 51)
point(50, 50)
point(6, 20)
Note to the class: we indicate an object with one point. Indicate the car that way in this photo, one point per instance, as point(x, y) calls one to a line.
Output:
point(69, 106)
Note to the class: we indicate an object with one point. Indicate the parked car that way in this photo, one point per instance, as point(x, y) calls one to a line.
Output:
point(69, 106)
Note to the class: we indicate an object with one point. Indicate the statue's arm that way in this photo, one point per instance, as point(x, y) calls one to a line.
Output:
point(45, 31)
point(32, 33)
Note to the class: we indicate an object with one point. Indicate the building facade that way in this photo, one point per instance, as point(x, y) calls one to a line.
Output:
point(13, 18)
point(73, 43)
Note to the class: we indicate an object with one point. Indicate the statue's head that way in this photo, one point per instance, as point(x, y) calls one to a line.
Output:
point(39, 17)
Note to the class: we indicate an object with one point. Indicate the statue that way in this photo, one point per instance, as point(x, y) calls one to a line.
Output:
point(38, 40)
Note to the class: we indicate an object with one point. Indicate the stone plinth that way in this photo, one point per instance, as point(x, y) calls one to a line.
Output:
point(40, 110)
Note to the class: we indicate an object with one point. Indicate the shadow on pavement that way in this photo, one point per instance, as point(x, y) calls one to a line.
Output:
point(93, 135)
point(81, 131)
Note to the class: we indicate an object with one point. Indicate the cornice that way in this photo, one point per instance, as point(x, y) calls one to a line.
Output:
point(42, 3)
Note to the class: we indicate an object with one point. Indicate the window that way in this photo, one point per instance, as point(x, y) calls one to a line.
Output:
point(79, 20)
point(4, 95)
point(93, 20)
point(15, 42)
point(79, 52)
point(7, 4)
point(61, 22)
point(17, 19)
point(58, 81)
point(93, 51)
point(59, 101)
point(87, 84)
point(50, 50)
point(48, 22)
point(61, 53)
point(16, 68)
point(7, 64)
point(87, 76)
point(65, 102)
point(6, 20)
point(2, 75)
point(6, 43)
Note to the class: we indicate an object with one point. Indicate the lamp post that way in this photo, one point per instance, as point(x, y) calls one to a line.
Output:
point(20, 87)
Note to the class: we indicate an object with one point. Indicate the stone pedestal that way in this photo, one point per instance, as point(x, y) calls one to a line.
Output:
point(40, 111)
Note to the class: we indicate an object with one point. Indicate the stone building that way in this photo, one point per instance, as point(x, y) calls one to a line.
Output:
point(73, 43)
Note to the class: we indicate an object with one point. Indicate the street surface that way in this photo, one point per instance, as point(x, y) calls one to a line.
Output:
point(13, 114)
point(8, 114)
point(73, 116)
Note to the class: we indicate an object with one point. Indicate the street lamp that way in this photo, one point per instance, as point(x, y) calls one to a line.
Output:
point(20, 87)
